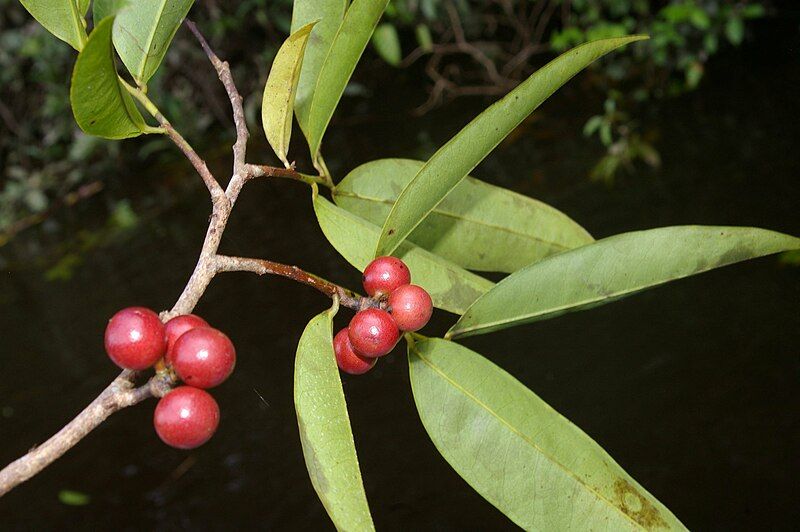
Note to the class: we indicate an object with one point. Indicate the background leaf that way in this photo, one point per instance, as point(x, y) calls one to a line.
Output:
point(535, 466)
point(277, 104)
point(477, 226)
point(613, 268)
point(463, 152)
point(329, 14)
point(325, 433)
point(387, 44)
point(62, 18)
point(346, 48)
point(102, 107)
point(450, 287)
point(144, 30)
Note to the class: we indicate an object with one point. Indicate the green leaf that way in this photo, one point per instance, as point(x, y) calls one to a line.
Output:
point(325, 433)
point(329, 14)
point(101, 105)
point(62, 18)
point(144, 30)
point(346, 48)
point(450, 287)
point(387, 44)
point(518, 453)
point(477, 226)
point(277, 104)
point(613, 268)
point(734, 30)
point(462, 153)
point(106, 8)
point(83, 7)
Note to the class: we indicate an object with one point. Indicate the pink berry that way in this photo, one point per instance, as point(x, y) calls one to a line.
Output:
point(178, 325)
point(411, 307)
point(186, 417)
point(347, 360)
point(373, 333)
point(135, 338)
point(384, 274)
point(202, 357)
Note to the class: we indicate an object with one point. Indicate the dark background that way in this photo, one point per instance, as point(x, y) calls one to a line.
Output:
point(691, 387)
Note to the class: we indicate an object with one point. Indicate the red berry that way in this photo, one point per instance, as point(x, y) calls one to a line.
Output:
point(186, 417)
point(135, 338)
point(384, 274)
point(347, 360)
point(373, 333)
point(178, 325)
point(411, 307)
point(202, 357)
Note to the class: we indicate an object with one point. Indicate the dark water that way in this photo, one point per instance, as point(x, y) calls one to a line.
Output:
point(692, 387)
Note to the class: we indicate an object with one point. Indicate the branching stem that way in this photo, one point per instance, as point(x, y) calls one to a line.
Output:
point(122, 392)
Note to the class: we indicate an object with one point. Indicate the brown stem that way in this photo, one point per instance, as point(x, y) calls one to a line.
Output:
point(225, 76)
point(118, 395)
point(121, 393)
point(347, 298)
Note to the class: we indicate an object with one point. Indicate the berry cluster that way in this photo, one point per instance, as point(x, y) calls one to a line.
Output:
point(374, 332)
point(201, 356)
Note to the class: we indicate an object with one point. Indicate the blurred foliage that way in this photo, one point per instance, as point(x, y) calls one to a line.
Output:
point(501, 40)
point(471, 47)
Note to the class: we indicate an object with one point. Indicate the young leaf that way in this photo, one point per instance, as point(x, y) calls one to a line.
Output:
point(522, 456)
point(102, 107)
point(325, 433)
point(463, 152)
point(62, 18)
point(328, 14)
point(450, 287)
point(478, 226)
point(348, 44)
point(143, 31)
point(387, 44)
point(613, 268)
point(278, 102)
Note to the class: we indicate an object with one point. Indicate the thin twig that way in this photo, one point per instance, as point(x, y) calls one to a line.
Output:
point(347, 298)
point(225, 76)
point(118, 395)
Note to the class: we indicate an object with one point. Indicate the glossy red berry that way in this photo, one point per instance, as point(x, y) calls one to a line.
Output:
point(178, 325)
point(384, 274)
point(373, 333)
point(135, 338)
point(186, 417)
point(347, 359)
point(411, 307)
point(202, 357)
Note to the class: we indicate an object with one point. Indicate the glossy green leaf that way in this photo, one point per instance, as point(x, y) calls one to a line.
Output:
point(462, 153)
point(451, 287)
point(478, 226)
point(613, 268)
point(62, 18)
point(536, 467)
point(346, 48)
point(328, 446)
point(387, 44)
point(277, 104)
point(328, 14)
point(102, 107)
point(143, 32)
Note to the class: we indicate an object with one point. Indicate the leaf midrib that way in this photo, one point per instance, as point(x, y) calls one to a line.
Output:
point(522, 436)
point(457, 216)
point(150, 38)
